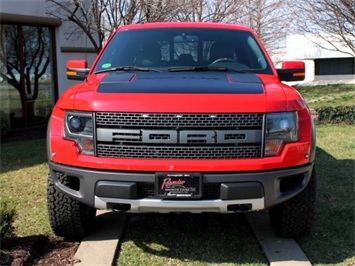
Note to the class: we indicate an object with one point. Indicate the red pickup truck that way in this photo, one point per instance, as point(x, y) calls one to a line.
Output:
point(182, 117)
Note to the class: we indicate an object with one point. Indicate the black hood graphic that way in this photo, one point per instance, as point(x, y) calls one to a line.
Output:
point(181, 82)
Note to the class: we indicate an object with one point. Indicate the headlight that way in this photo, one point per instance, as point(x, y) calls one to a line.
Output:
point(79, 128)
point(281, 128)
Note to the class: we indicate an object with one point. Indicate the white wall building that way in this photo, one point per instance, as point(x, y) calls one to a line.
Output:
point(323, 62)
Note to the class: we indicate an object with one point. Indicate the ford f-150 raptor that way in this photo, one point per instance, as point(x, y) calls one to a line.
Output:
point(182, 117)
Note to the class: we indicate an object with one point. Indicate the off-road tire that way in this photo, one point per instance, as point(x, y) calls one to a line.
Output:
point(294, 218)
point(68, 218)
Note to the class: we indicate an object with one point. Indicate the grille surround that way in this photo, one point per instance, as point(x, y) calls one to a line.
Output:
point(120, 147)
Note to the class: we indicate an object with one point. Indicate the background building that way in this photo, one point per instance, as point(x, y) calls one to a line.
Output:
point(324, 63)
point(34, 48)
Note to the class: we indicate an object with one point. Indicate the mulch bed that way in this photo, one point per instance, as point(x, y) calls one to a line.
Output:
point(37, 250)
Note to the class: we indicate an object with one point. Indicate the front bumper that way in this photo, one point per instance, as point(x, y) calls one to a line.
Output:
point(236, 191)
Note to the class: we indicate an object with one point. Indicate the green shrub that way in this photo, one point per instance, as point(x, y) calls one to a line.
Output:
point(7, 217)
point(336, 115)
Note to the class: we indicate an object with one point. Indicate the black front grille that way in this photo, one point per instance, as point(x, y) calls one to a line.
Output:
point(178, 136)
point(141, 120)
point(209, 191)
point(176, 152)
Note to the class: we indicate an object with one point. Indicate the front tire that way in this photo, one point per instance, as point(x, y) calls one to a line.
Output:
point(68, 218)
point(295, 217)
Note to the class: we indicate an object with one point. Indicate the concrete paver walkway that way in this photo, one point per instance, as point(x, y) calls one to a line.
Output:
point(279, 251)
point(99, 248)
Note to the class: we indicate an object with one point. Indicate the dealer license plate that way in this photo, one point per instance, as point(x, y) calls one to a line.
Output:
point(178, 185)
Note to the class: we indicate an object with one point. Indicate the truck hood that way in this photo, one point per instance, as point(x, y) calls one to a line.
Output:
point(195, 92)
point(181, 82)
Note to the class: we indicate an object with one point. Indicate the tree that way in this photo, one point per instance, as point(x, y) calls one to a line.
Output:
point(332, 21)
point(97, 19)
point(157, 10)
point(86, 15)
point(208, 10)
point(269, 19)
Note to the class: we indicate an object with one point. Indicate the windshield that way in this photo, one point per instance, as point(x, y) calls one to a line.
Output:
point(181, 49)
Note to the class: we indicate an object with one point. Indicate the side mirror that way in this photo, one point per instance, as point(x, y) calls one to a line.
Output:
point(292, 71)
point(77, 69)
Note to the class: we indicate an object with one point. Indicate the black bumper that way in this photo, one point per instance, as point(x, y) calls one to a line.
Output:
point(273, 186)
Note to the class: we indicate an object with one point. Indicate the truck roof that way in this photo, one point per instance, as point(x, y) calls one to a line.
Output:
point(209, 25)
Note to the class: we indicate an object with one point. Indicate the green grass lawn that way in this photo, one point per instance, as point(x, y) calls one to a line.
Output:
point(23, 182)
point(332, 241)
point(189, 239)
point(206, 239)
point(330, 95)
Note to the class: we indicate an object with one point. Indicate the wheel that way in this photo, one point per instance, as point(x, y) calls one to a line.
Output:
point(68, 218)
point(294, 218)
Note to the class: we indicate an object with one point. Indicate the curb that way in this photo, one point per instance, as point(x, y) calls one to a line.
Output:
point(278, 251)
point(99, 248)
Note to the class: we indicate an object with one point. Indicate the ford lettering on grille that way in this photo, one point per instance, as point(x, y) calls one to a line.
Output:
point(178, 136)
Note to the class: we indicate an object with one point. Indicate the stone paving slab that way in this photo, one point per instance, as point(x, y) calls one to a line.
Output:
point(279, 251)
point(99, 248)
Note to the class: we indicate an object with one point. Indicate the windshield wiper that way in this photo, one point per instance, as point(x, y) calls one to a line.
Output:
point(126, 69)
point(198, 68)
point(204, 68)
